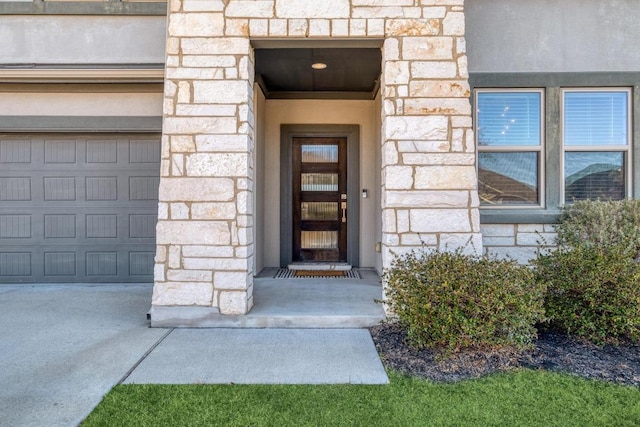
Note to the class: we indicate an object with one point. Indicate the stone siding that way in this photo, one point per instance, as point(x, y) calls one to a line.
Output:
point(429, 182)
point(205, 222)
point(521, 242)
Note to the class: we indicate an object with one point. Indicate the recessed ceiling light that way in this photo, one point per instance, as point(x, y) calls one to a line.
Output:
point(319, 66)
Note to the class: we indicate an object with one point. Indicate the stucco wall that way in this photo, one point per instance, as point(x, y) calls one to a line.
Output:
point(82, 39)
point(502, 36)
point(552, 36)
point(57, 101)
point(258, 194)
point(361, 113)
point(378, 180)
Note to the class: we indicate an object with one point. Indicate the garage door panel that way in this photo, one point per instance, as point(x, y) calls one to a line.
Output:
point(60, 189)
point(78, 208)
point(144, 151)
point(60, 226)
point(59, 222)
point(53, 264)
point(16, 226)
point(102, 263)
point(101, 226)
point(15, 188)
point(15, 151)
point(142, 226)
point(101, 188)
point(102, 151)
point(15, 264)
point(66, 187)
point(58, 152)
point(88, 263)
point(141, 263)
point(58, 263)
point(143, 187)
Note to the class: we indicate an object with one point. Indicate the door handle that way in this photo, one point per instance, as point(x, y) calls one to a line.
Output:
point(343, 205)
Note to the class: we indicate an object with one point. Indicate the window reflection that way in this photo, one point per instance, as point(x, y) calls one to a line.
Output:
point(508, 118)
point(508, 178)
point(594, 175)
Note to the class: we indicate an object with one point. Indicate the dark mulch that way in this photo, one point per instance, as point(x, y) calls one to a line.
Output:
point(553, 351)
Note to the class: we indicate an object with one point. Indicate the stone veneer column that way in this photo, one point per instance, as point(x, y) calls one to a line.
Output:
point(429, 195)
point(204, 233)
point(429, 182)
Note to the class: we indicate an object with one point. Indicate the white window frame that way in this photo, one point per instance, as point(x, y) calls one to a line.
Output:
point(540, 149)
point(627, 149)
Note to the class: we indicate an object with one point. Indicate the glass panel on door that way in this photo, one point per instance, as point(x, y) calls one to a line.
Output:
point(319, 240)
point(319, 182)
point(319, 211)
point(319, 154)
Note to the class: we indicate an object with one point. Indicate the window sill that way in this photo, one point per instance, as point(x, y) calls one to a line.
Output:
point(519, 216)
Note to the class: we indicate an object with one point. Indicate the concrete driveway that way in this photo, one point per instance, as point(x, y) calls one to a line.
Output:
point(63, 347)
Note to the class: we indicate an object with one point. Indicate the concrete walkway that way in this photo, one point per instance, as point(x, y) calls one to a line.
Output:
point(62, 348)
point(262, 356)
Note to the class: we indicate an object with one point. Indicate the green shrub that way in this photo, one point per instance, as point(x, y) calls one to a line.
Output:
point(593, 291)
point(455, 301)
point(601, 224)
point(593, 278)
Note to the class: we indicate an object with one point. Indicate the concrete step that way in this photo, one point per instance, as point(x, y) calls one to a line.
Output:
point(291, 303)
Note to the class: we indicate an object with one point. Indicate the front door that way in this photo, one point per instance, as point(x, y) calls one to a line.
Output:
point(319, 199)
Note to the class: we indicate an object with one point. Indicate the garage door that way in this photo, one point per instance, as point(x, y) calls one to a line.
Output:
point(78, 208)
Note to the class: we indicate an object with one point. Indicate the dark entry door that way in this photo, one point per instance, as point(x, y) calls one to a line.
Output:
point(319, 199)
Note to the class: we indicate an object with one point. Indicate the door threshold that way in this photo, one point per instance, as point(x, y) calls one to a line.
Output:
point(320, 266)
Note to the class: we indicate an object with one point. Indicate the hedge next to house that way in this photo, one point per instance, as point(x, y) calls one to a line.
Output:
point(593, 277)
point(601, 224)
point(452, 301)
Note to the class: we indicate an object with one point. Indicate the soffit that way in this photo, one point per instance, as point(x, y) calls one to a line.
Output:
point(351, 73)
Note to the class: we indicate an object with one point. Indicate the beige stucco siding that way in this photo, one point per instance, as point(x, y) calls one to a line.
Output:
point(259, 195)
point(78, 39)
point(54, 102)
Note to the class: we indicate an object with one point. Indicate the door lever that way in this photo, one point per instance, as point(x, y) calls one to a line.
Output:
point(344, 211)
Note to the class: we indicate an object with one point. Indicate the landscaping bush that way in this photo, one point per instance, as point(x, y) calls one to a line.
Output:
point(593, 278)
point(456, 301)
point(593, 292)
point(601, 224)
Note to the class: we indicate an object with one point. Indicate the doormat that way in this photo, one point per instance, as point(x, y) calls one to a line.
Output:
point(285, 273)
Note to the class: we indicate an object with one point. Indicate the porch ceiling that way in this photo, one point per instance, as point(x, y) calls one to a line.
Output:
point(351, 73)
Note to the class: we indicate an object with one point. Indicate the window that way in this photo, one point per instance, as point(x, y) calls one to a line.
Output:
point(509, 140)
point(571, 133)
point(596, 144)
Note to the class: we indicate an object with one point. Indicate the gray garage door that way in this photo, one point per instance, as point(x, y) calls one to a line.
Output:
point(78, 208)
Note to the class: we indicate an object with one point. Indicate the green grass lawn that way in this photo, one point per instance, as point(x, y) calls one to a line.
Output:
point(520, 398)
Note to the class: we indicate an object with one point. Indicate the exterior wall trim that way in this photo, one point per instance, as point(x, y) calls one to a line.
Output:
point(80, 124)
point(99, 74)
point(573, 79)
